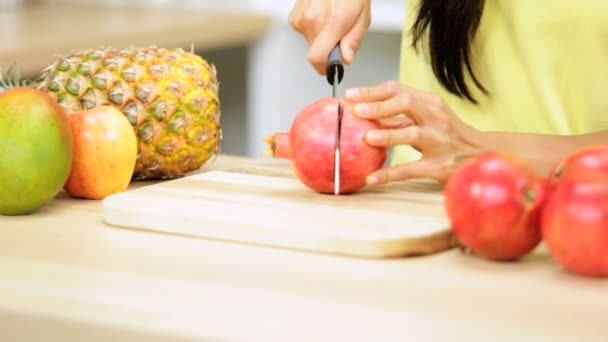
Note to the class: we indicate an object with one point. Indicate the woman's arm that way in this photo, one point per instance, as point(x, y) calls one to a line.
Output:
point(445, 141)
point(541, 151)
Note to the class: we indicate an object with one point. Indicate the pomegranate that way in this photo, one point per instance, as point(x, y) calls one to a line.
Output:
point(587, 163)
point(310, 142)
point(574, 226)
point(494, 203)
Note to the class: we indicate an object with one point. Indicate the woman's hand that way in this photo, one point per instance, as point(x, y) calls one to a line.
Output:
point(419, 119)
point(326, 22)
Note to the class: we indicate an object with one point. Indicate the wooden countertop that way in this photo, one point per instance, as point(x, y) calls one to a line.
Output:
point(35, 35)
point(64, 275)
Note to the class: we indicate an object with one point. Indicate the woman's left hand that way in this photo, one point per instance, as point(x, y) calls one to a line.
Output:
point(429, 126)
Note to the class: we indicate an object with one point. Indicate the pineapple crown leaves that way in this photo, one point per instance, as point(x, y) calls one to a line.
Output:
point(13, 79)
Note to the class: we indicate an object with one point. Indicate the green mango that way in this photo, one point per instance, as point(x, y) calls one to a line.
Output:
point(35, 150)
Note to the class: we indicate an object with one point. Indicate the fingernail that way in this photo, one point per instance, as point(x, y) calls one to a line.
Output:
point(349, 55)
point(352, 93)
point(372, 180)
point(362, 109)
point(374, 136)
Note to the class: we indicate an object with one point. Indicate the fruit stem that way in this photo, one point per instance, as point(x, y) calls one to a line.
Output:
point(278, 145)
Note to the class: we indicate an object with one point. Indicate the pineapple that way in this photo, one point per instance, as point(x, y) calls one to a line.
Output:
point(170, 97)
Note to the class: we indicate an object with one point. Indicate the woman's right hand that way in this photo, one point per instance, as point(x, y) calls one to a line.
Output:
point(324, 23)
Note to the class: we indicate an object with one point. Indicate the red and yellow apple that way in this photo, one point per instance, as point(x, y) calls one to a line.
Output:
point(105, 153)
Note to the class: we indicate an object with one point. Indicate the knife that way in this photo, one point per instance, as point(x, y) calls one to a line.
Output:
point(335, 73)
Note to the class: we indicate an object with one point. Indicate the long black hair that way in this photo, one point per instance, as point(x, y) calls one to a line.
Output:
point(451, 26)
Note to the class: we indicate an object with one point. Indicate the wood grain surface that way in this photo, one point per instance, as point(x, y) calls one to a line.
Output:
point(269, 206)
point(67, 276)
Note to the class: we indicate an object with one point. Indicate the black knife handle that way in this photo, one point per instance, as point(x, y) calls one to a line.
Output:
point(335, 62)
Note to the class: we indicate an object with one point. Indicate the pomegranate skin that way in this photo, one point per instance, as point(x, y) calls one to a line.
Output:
point(310, 142)
point(494, 203)
point(589, 163)
point(575, 227)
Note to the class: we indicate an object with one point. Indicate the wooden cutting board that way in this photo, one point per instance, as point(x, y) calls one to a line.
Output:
point(269, 206)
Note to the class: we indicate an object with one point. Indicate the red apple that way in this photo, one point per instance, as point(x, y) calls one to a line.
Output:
point(105, 153)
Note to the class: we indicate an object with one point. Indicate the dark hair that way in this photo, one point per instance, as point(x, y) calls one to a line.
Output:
point(451, 26)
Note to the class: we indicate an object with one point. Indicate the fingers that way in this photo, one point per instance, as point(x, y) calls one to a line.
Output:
point(380, 92)
point(322, 46)
point(306, 18)
point(346, 29)
point(351, 42)
point(310, 18)
point(391, 98)
point(390, 137)
point(399, 103)
point(399, 121)
point(324, 23)
point(418, 169)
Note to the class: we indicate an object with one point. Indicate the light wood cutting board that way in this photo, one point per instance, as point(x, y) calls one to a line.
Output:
point(269, 206)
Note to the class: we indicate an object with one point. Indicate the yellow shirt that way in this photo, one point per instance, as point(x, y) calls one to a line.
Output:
point(544, 62)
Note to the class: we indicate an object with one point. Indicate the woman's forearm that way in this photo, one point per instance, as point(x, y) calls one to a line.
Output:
point(541, 151)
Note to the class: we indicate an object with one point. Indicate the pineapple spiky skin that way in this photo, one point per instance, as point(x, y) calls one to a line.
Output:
point(170, 97)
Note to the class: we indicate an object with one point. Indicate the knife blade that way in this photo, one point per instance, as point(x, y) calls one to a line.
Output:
point(337, 151)
point(335, 73)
